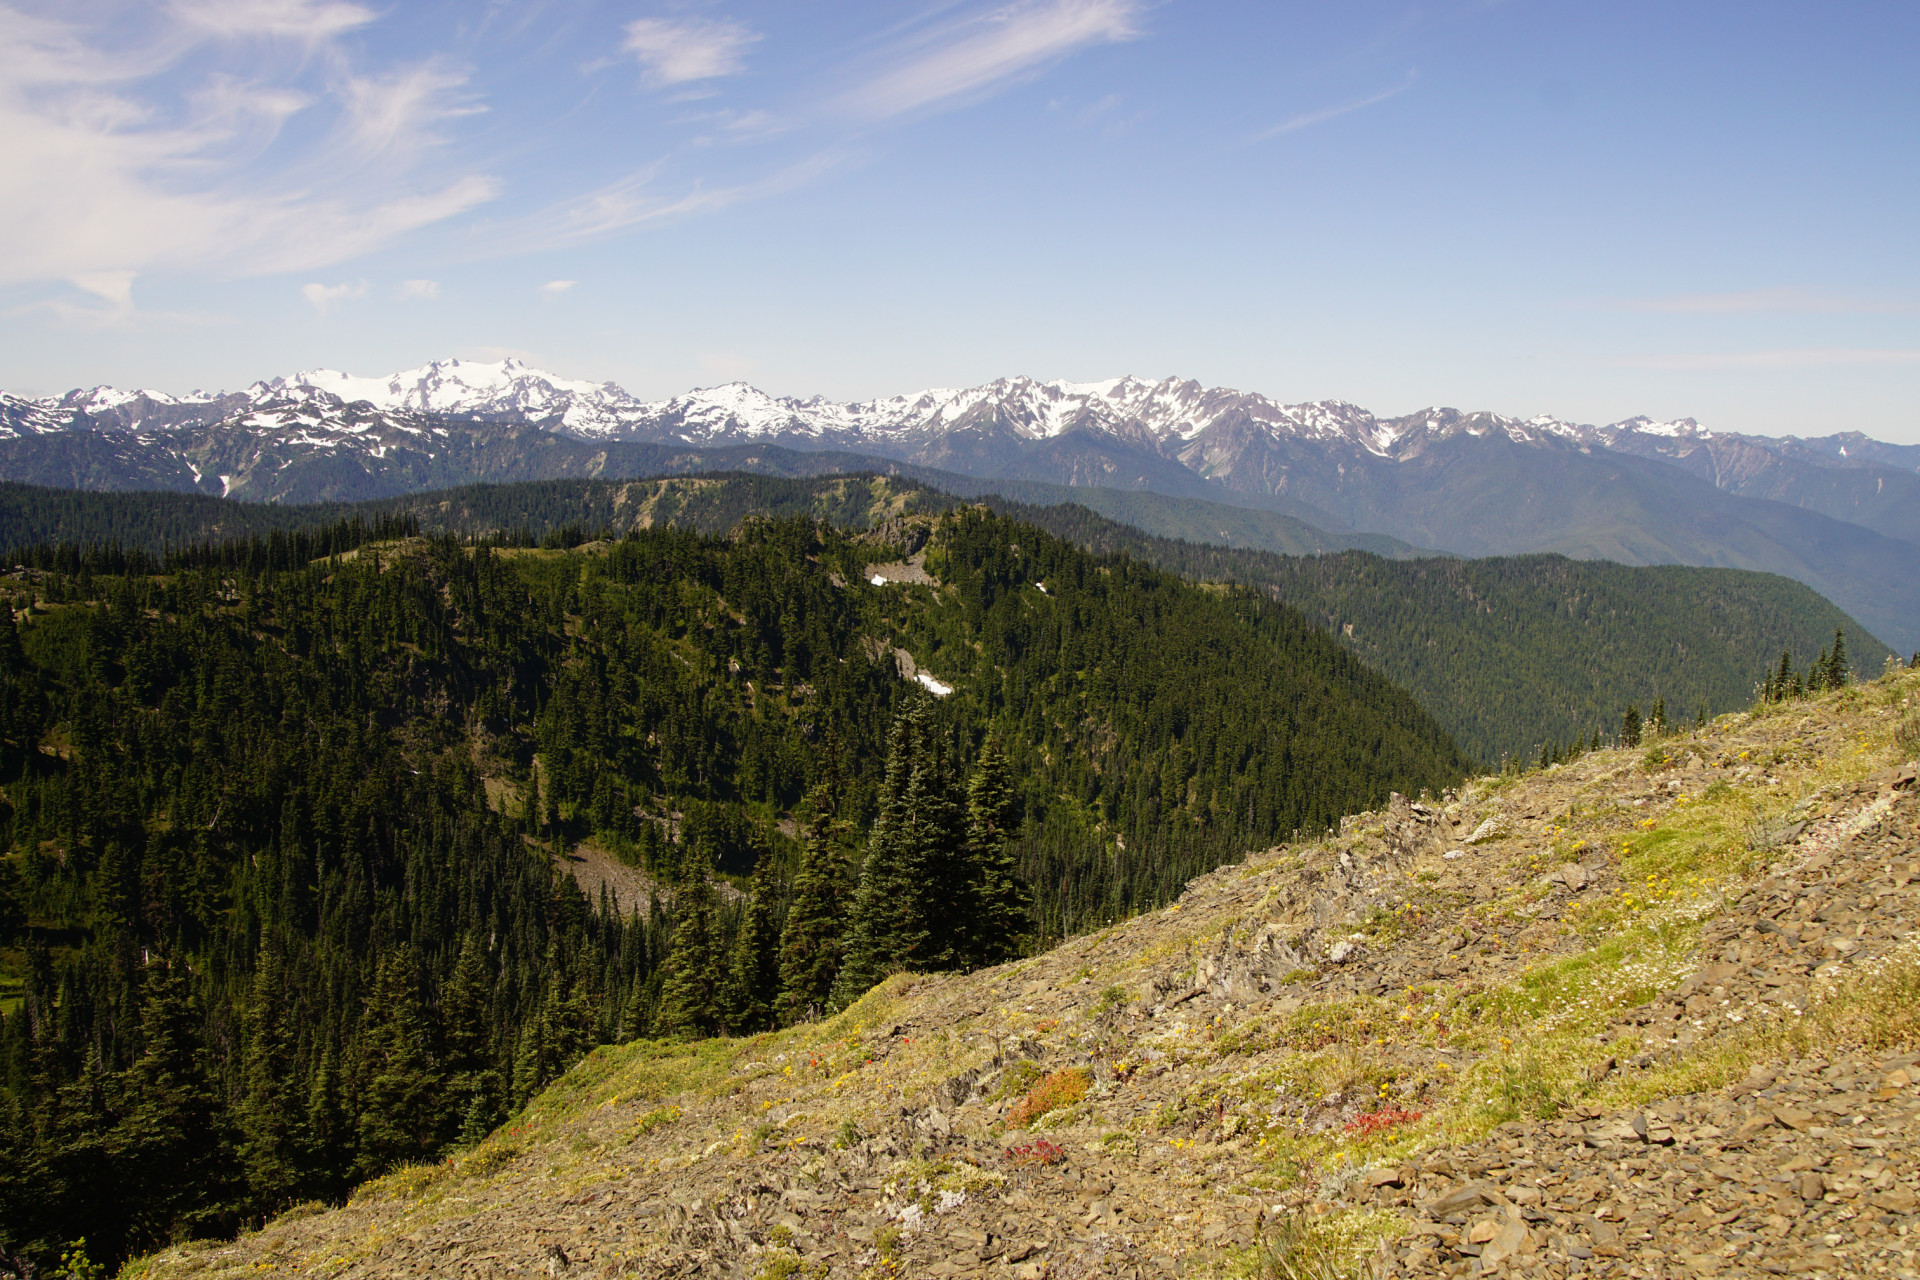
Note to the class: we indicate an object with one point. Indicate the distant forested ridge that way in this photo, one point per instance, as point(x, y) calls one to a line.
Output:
point(1509, 654)
point(1516, 652)
point(281, 817)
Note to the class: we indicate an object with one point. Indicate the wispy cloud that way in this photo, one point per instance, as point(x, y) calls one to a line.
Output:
point(426, 290)
point(169, 152)
point(394, 115)
point(683, 50)
point(1758, 301)
point(1309, 119)
point(325, 297)
point(292, 19)
point(554, 288)
point(638, 200)
point(1785, 358)
point(968, 57)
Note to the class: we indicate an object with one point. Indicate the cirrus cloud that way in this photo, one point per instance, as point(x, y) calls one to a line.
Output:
point(679, 51)
point(169, 152)
point(969, 57)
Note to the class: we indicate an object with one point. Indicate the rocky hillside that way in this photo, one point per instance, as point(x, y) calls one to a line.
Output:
point(1654, 1012)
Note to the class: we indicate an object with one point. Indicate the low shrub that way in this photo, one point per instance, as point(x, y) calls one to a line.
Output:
point(1380, 1121)
point(1061, 1089)
point(1039, 1151)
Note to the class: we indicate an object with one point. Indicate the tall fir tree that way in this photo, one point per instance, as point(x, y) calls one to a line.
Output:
point(1000, 901)
point(1837, 667)
point(900, 918)
point(172, 1146)
point(401, 1116)
point(326, 1120)
point(884, 888)
point(692, 994)
point(274, 1145)
point(1630, 727)
point(472, 1083)
point(810, 943)
point(537, 1054)
point(937, 931)
point(754, 968)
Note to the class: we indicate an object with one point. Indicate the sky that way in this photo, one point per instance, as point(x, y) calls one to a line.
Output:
point(1590, 210)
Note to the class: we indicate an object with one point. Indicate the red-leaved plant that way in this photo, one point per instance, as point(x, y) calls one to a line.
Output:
point(1039, 1151)
point(1380, 1121)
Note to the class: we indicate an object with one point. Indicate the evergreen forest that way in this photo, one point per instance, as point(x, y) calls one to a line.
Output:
point(287, 819)
point(1512, 655)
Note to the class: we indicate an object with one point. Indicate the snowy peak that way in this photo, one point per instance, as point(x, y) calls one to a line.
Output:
point(1678, 429)
point(466, 388)
point(1209, 430)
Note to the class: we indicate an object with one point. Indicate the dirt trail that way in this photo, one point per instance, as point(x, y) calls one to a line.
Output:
point(1652, 1013)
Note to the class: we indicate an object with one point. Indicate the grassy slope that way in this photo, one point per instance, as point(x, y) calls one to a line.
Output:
point(1207, 1112)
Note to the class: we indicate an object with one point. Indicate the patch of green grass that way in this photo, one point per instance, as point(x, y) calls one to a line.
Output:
point(1017, 1077)
point(489, 1159)
point(1906, 737)
point(1305, 1246)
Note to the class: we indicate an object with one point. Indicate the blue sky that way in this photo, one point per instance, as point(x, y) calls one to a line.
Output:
point(1593, 210)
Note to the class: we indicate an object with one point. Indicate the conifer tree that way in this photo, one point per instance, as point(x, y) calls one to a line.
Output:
point(171, 1146)
point(472, 1083)
point(538, 1050)
point(1837, 668)
point(326, 1120)
point(1630, 727)
point(810, 943)
point(73, 1168)
point(274, 1146)
point(936, 930)
point(401, 1115)
point(690, 997)
point(1001, 901)
point(754, 969)
point(884, 891)
point(1657, 721)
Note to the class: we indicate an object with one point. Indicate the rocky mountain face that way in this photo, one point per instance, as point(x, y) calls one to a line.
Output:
point(1649, 1013)
point(1836, 513)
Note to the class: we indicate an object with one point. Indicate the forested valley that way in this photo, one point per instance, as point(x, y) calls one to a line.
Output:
point(286, 821)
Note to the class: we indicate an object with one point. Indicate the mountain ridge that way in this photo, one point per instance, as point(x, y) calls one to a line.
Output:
point(1840, 513)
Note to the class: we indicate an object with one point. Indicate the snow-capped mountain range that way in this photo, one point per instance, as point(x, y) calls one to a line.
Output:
point(1827, 510)
point(1167, 414)
point(1179, 418)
